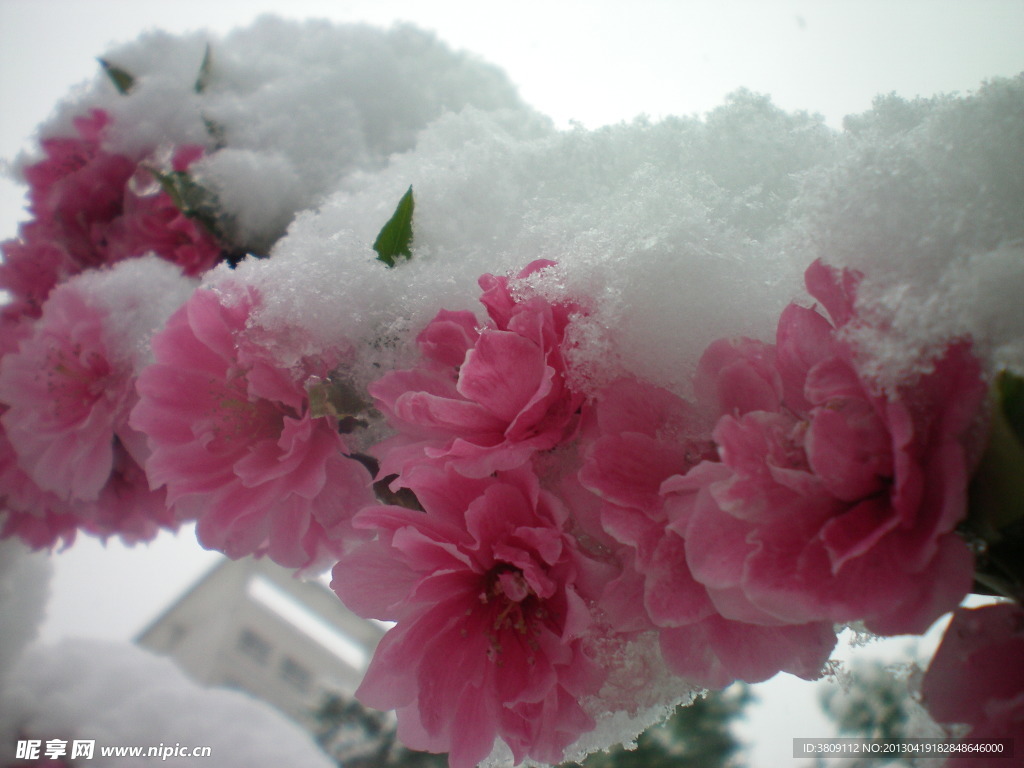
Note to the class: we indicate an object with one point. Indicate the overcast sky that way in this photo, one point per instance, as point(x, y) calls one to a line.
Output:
point(589, 61)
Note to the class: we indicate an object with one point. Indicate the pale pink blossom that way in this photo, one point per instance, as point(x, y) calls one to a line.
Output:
point(977, 678)
point(487, 588)
point(67, 397)
point(234, 442)
point(127, 507)
point(714, 652)
point(31, 266)
point(39, 518)
point(483, 399)
point(636, 436)
point(640, 439)
point(70, 460)
point(835, 501)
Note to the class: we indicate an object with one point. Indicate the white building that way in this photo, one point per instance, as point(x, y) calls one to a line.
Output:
point(249, 624)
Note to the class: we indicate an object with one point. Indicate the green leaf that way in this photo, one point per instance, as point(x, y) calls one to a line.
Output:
point(122, 79)
point(1010, 389)
point(997, 488)
point(995, 521)
point(215, 131)
point(395, 238)
point(191, 198)
point(205, 69)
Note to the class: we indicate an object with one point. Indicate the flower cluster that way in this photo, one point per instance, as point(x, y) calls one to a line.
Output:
point(489, 591)
point(535, 524)
point(832, 500)
point(232, 437)
point(92, 207)
point(71, 455)
point(67, 379)
point(793, 495)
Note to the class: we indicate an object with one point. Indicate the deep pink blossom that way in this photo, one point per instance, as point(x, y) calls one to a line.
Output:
point(483, 399)
point(837, 501)
point(151, 223)
point(977, 678)
point(126, 507)
point(88, 211)
point(234, 442)
point(78, 189)
point(65, 156)
point(487, 588)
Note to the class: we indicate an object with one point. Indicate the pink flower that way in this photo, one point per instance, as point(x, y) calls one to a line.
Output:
point(152, 223)
point(78, 189)
point(838, 502)
point(126, 506)
point(644, 438)
point(484, 399)
point(977, 677)
point(733, 640)
point(234, 442)
point(638, 436)
point(39, 518)
point(70, 459)
point(67, 398)
point(32, 265)
point(487, 588)
point(87, 214)
point(714, 652)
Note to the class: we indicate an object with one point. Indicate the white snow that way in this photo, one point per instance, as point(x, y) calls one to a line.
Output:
point(138, 296)
point(299, 106)
point(120, 695)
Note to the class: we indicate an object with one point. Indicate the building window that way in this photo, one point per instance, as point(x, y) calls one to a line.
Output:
point(254, 646)
point(297, 675)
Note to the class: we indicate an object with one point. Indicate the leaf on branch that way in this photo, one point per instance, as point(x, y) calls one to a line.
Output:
point(122, 79)
point(191, 198)
point(1010, 389)
point(205, 70)
point(395, 238)
point(215, 131)
point(995, 519)
point(997, 488)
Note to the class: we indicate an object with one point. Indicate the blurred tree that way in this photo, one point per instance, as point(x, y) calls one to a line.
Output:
point(873, 702)
point(358, 737)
